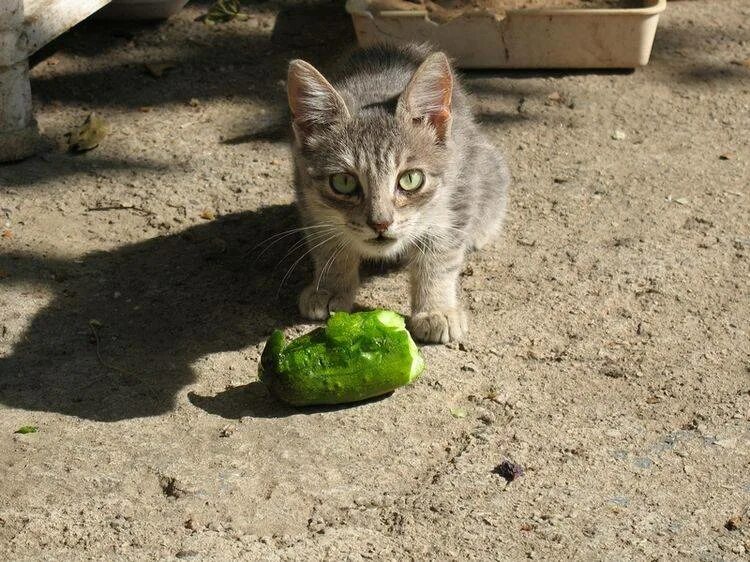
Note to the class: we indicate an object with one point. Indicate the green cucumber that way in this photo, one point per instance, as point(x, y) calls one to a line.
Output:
point(354, 357)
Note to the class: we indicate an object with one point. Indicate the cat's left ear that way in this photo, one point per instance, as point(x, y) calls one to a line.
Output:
point(427, 97)
point(312, 99)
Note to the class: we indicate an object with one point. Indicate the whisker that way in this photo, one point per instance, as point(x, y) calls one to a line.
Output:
point(328, 262)
point(323, 269)
point(299, 259)
point(271, 240)
point(301, 242)
point(448, 227)
point(416, 242)
point(329, 265)
point(413, 242)
point(292, 231)
point(442, 238)
point(307, 238)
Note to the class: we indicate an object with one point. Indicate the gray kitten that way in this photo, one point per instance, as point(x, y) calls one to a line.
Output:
point(389, 163)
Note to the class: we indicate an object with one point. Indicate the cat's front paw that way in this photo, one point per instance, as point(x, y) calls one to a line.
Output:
point(318, 304)
point(439, 325)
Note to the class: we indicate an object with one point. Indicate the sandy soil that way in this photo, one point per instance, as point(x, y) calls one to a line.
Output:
point(609, 355)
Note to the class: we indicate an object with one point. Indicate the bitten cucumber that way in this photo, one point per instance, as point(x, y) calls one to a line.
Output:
point(354, 357)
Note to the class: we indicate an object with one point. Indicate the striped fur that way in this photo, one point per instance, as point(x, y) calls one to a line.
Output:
point(390, 110)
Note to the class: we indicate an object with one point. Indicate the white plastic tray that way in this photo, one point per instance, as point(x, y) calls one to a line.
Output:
point(538, 38)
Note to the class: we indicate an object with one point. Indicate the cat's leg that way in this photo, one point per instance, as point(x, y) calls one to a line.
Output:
point(335, 283)
point(437, 316)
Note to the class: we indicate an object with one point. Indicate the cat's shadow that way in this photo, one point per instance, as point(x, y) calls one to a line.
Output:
point(157, 307)
point(123, 330)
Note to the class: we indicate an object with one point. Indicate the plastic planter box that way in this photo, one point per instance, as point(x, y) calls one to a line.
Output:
point(538, 38)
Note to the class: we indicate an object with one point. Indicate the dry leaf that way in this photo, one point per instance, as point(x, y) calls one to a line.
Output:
point(555, 96)
point(88, 135)
point(4, 274)
point(458, 412)
point(726, 156)
point(223, 11)
point(26, 429)
point(208, 214)
point(7, 233)
point(734, 523)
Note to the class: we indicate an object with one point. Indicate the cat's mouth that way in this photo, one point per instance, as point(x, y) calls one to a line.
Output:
point(381, 240)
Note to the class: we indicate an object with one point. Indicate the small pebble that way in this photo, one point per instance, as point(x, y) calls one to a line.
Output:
point(620, 501)
point(509, 470)
point(734, 523)
point(730, 443)
point(487, 417)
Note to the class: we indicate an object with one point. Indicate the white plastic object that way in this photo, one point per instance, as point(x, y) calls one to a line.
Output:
point(523, 38)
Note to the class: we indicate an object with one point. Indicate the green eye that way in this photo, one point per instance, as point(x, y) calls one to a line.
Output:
point(411, 180)
point(345, 184)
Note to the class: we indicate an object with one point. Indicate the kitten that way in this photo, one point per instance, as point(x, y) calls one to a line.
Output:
point(389, 163)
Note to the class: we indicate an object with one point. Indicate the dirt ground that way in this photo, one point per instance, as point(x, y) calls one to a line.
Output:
point(609, 353)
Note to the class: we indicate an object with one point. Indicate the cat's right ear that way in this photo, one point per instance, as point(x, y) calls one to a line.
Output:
point(312, 100)
point(427, 97)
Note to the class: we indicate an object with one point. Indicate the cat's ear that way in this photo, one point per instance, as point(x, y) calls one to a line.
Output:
point(427, 97)
point(312, 99)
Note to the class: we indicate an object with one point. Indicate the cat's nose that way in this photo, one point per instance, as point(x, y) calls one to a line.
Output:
point(379, 227)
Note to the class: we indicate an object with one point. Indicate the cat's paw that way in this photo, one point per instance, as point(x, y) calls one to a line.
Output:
point(439, 325)
point(318, 304)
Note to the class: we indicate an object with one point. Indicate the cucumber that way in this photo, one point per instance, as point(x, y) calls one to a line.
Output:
point(354, 357)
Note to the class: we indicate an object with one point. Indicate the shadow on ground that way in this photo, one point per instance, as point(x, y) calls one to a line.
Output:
point(236, 60)
point(702, 48)
point(55, 164)
point(157, 307)
point(253, 400)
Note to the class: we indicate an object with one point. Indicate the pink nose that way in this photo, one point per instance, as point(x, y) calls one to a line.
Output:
point(379, 227)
